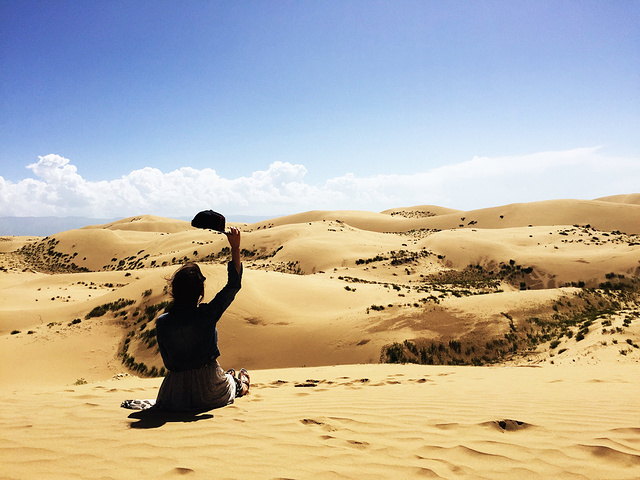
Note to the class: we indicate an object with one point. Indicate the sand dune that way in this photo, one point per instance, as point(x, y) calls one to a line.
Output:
point(146, 223)
point(557, 255)
point(631, 198)
point(606, 216)
point(360, 421)
point(602, 215)
point(11, 244)
point(326, 296)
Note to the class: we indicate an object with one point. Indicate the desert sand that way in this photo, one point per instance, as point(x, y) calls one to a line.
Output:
point(416, 342)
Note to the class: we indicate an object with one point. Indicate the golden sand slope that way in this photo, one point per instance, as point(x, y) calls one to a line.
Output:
point(359, 422)
point(632, 198)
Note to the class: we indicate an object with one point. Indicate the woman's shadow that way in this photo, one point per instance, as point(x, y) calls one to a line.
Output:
point(154, 418)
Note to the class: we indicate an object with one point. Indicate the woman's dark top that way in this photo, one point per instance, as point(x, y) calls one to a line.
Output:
point(188, 338)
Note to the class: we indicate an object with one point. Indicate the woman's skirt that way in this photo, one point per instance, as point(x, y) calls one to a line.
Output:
point(203, 388)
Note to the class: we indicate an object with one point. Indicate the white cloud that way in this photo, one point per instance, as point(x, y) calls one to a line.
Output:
point(59, 190)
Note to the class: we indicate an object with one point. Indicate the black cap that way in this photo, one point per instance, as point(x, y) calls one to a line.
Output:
point(209, 219)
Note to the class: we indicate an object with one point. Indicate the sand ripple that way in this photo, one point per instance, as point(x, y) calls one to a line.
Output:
point(473, 423)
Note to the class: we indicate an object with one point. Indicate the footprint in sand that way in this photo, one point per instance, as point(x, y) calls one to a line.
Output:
point(312, 422)
point(277, 383)
point(448, 426)
point(420, 380)
point(357, 444)
point(357, 383)
point(507, 425)
point(308, 383)
point(182, 470)
point(325, 426)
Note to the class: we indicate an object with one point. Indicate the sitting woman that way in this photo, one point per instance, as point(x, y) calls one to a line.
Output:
point(188, 341)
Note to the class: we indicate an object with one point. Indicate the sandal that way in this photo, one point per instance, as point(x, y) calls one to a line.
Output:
point(245, 379)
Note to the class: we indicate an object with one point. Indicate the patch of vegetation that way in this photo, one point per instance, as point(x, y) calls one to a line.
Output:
point(367, 261)
point(143, 337)
point(473, 276)
point(357, 280)
point(101, 310)
point(375, 308)
point(149, 337)
point(473, 280)
point(224, 255)
point(521, 338)
point(293, 268)
point(151, 311)
point(42, 256)
point(403, 256)
point(397, 257)
point(141, 368)
point(412, 213)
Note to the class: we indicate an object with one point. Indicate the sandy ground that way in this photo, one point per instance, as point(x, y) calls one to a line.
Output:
point(324, 294)
point(357, 421)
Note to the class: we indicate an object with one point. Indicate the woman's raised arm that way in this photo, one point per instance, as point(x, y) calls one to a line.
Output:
point(233, 235)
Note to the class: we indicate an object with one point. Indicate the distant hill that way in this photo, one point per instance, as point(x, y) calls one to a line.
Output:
point(45, 226)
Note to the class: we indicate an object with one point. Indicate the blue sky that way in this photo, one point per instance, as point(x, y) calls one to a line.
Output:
point(163, 107)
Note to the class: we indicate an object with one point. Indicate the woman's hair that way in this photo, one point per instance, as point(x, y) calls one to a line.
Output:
point(187, 285)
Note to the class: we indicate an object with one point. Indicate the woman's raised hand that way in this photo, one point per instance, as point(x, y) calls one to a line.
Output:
point(233, 235)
